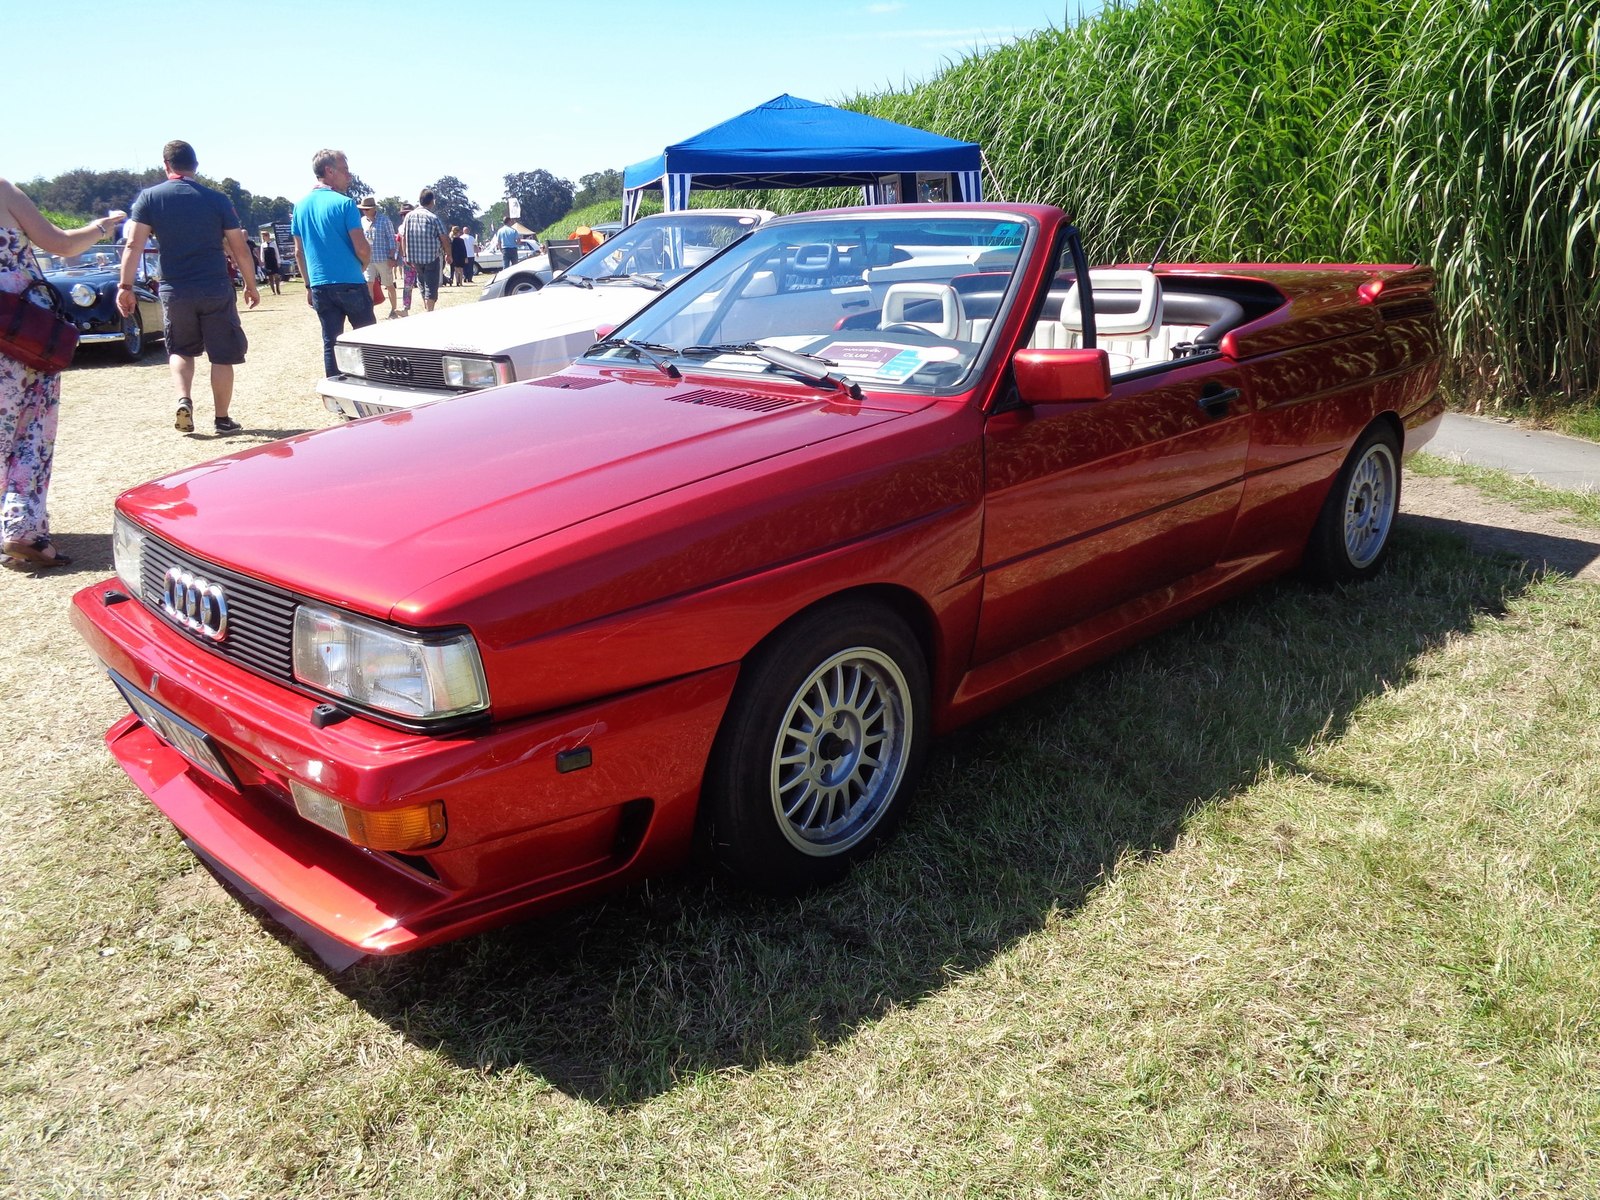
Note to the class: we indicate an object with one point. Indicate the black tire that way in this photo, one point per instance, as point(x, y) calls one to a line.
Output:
point(133, 337)
point(824, 738)
point(1351, 538)
point(522, 286)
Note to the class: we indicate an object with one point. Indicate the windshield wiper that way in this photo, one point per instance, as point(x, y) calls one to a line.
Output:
point(574, 280)
point(797, 361)
point(644, 351)
point(654, 285)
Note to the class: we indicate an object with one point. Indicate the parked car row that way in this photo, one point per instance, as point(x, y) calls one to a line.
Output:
point(858, 478)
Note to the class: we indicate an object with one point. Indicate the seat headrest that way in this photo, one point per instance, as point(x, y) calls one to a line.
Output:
point(899, 299)
point(1127, 303)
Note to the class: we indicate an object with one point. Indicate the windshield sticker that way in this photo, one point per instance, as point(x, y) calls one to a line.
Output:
point(879, 360)
point(854, 353)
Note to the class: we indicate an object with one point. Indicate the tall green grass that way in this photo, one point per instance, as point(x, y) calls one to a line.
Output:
point(1460, 133)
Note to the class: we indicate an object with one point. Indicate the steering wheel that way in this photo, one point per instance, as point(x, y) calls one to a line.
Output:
point(908, 327)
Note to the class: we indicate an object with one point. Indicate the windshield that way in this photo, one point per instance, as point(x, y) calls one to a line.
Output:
point(662, 247)
point(881, 301)
point(95, 256)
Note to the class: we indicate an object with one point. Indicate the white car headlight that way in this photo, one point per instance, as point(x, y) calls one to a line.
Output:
point(83, 295)
point(127, 551)
point(469, 371)
point(413, 675)
point(348, 359)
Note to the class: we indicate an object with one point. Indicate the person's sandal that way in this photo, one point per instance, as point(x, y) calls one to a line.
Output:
point(228, 425)
point(184, 422)
point(30, 556)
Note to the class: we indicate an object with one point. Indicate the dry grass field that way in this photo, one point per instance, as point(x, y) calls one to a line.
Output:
point(1295, 900)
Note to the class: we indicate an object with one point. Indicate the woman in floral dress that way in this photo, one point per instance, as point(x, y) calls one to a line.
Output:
point(30, 400)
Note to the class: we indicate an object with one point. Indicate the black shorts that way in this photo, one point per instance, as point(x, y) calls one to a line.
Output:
point(206, 325)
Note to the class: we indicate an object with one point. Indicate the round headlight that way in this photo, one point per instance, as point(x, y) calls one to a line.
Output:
point(83, 295)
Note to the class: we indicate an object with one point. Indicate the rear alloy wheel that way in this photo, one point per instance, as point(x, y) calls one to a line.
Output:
point(824, 737)
point(1352, 534)
point(132, 337)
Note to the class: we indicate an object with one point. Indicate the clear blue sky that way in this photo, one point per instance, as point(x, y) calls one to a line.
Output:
point(496, 87)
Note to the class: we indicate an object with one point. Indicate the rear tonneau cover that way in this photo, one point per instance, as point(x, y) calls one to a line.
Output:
point(1323, 301)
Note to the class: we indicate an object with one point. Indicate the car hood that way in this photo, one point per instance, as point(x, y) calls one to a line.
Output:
point(370, 512)
point(502, 325)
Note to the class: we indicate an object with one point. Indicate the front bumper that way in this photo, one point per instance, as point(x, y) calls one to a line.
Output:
point(523, 836)
point(351, 396)
point(94, 327)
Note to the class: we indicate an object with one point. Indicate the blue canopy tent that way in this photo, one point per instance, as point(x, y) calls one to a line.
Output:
point(789, 142)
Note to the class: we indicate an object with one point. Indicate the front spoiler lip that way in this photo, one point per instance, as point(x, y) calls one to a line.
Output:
point(303, 862)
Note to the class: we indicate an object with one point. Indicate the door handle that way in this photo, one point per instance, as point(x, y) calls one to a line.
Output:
point(1214, 400)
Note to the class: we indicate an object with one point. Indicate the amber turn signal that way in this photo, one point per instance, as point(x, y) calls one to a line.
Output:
point(408, 828)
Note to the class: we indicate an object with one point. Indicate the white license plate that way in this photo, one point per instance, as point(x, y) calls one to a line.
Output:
point(367, 408)
point(193, 743)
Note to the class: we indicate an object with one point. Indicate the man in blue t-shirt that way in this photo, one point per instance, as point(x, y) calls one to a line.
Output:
point(333, 251)
point(506, 238)
point(194, 225)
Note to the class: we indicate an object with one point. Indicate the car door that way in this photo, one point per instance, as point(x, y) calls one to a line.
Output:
point(1093, 503)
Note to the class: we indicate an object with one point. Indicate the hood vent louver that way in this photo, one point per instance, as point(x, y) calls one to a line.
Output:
point(573, 383)
point(740, 400)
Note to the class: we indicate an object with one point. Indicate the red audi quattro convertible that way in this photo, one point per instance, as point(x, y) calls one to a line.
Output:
point(864, 476)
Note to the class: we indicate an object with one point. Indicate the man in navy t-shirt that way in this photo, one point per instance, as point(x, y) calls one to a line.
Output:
point(194, 225)
point(333, 251)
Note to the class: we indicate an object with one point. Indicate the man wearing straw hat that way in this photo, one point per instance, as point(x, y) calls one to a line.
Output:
point(379, 229)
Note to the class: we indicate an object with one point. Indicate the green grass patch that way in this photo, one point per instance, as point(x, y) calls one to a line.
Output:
point(1295, 900)
point(1527, 494)
point(1580, 421)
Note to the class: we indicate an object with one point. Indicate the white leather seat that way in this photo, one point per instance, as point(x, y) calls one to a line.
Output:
point(901, 296)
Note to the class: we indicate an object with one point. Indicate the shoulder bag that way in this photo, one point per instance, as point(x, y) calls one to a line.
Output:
point(41, 338)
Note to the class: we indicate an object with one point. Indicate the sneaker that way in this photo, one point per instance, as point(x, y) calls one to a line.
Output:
point(184, 422)
point(228, 425)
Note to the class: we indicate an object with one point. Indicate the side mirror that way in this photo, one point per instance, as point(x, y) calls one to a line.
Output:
point(1045, 376)
point(602, 332)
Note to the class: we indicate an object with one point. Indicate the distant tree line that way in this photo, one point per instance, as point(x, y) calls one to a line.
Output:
point(544, 197)
point(86, 194)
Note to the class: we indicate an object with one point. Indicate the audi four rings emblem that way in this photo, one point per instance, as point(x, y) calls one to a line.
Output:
point(195, 603)
point(395, 364)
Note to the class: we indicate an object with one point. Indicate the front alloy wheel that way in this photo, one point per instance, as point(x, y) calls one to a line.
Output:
point(823, 739)
point(841, 751)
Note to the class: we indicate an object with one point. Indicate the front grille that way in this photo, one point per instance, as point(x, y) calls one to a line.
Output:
point(260, 617)
point(403, 368)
